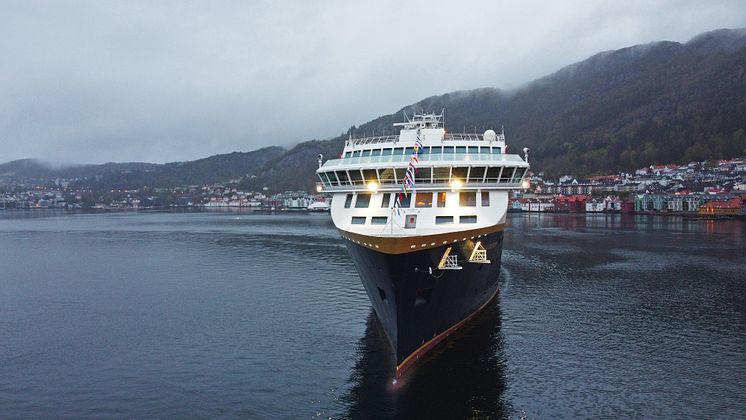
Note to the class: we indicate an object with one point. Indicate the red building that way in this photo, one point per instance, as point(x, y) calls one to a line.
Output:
point(571, 204)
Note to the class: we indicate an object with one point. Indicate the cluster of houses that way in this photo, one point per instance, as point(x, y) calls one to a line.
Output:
point(699, 188)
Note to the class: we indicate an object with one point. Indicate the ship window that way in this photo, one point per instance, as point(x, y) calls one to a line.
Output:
point(356, 153)
point(398, 151)
point(473, 149)
point(342, 175)
point(459, 173)
point(518, 174)
point(447, 149)
point(441, 175)
point(326, 177)
point(400, 172)
point(423, 199)
point(358, 220)
point(379, 220)
point(467, 219)
point(441, 199)
point(443, 220)
point(382, 294)
point(484, 149)
point(424, 174)
point(507, 174)
point(496, 150)
point(355, 176)
point(476, 174)
point(467, 199)
point(366, 152)
point(492, 173)
point(369, 175)
point(348, 154)
point(363, 201)
point(460, 149)
point(408, 151)
point(424, 150)
point(436, 149)
point(386, 152)
point(385, 200)
point(376, 152)
point(386, 175)
point(348, 201)
point(405, 200)
point(485, 199)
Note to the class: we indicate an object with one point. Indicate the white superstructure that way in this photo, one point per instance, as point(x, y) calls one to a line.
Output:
point(461, 181)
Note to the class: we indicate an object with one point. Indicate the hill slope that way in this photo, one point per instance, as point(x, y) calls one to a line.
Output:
point(617, 110)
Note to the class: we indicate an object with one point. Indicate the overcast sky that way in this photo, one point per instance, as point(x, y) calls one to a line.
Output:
point(158, 81)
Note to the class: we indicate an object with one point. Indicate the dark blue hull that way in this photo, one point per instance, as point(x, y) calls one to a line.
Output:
point(418, 308)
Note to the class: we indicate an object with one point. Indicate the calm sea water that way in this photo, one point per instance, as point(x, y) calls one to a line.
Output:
point(177, 315)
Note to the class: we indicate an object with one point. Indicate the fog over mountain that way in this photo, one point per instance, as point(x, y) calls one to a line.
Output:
point(93, 82)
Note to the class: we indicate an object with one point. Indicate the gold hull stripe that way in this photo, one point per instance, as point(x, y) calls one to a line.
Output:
point(406, 244)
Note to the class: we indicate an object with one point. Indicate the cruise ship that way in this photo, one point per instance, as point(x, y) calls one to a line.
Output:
point(422, 214)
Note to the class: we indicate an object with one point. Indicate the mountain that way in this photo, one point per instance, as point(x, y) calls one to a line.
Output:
point(615, 111)
point(619, 110)
point(134, 175)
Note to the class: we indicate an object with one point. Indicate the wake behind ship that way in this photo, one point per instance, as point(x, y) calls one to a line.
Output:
point(422, 214)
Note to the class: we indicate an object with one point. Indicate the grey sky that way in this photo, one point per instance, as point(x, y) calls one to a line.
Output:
point(162, 81)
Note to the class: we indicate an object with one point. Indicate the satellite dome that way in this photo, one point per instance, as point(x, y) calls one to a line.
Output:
point(490, 135)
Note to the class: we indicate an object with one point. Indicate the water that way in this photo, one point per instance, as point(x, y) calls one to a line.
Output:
point(232, 314)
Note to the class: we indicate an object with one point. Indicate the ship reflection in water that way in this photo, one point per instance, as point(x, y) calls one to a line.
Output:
point(464, 378)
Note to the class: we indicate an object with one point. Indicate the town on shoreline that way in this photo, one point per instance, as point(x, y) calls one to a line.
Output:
point(697, 189)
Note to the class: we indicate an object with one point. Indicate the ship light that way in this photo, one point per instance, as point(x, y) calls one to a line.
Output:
point(372, 186)
point(319, 188)
point(456, 184)
point(525, 184)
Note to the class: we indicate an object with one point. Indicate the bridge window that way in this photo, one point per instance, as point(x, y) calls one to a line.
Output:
point(375, 152)
point(424, 150)
point(473, 149)
point(423, 200)
point(476, 174)
point(385, 200)
point(485, 199)
point(460, 173)
point(467, 199)
point(460, 149)
point(358, 220)
point(363, 201)
point(518, 174)
point(386, 175)
point(386, 152)
point(507, 174)
point(440, 175)
point(366, 152)
point(398, 151)
point(408, 151)
point(496, 150)
point(348, 154)
point(441, 199)
point(443, 220)
point(369, 175)
point(342, 176)
point(493, 173)
point(484, 149)
point(467, 219)
point(356, 153)
point(348, 201)
point(355, 176)
point(448, 149)
point(379, 220)
point(423, 174)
